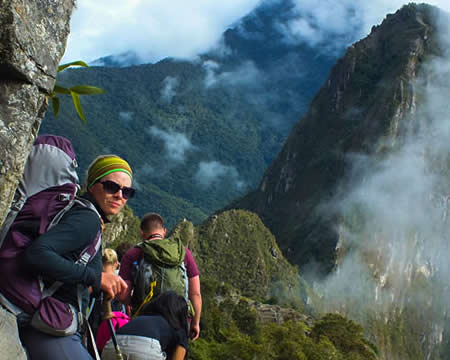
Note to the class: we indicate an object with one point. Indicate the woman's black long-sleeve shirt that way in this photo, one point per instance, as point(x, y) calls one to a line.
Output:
point(53, 254)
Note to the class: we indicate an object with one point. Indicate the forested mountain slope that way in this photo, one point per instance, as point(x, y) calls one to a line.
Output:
point(198, 133)
point(358, 196)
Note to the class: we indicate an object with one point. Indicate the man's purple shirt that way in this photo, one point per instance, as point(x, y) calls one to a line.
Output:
point(135, 255)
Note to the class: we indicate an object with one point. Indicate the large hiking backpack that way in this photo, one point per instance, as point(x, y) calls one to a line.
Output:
point(45, 193)
point(161, 268)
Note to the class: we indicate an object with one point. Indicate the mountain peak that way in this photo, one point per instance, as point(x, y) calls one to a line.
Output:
point(369, 95)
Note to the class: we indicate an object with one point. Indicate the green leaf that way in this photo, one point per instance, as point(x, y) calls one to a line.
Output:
point(77, 104)
point(61, 90)
point(55, 103)
point(87, 90)
point(73, 63)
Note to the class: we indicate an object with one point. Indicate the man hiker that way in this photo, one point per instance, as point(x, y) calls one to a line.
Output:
point(53, 254)
point(152, 230)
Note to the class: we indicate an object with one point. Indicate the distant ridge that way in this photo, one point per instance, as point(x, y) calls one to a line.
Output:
point(128, 58)
point(228, 113)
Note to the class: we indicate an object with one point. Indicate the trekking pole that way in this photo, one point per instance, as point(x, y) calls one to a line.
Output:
point(108, 316)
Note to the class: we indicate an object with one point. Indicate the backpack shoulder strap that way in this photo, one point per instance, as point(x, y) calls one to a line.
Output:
point(86, 203)
point(186, 280)
point(87, 253)
point(16, 206)
point(93, 248)
point(139, 267)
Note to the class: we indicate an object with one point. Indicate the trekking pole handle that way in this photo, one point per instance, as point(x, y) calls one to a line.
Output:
point(108, 316)
point(107, 309)
point(114, 340)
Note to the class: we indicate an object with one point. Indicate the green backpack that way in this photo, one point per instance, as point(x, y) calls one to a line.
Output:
point(161, 268)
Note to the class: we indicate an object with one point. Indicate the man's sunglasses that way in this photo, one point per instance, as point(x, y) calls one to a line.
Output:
point(112, 187)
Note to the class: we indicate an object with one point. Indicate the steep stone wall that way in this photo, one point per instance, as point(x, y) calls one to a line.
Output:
point(359, 124)
point(362, 108)
point(10, 347)
point(32, 41)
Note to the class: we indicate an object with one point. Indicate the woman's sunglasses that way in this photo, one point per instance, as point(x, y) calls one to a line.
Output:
point(112, 187)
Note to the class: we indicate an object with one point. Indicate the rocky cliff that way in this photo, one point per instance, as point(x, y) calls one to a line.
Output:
point(32, 41)
point(359, 191)
point(362, 108)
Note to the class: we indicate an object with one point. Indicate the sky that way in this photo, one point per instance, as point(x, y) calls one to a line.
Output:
point(175, 28)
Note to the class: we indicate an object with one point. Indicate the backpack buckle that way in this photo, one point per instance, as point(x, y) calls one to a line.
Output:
point(64, 197)
point(84, 259)
point(17, 204)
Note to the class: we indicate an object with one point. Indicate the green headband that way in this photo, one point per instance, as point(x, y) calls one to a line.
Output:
point(107, 165)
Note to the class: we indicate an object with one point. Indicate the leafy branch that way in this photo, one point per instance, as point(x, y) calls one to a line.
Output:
point(74, 91)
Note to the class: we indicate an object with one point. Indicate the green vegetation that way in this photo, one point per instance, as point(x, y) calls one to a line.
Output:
point(242, 271)
point(166, 139)
point(74, 92)
point(237, 248)
point(123, 228)
point(233, 330)
point(242, 268)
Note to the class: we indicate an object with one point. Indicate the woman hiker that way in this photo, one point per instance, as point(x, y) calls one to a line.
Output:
point(160, 331)
point(53, 255)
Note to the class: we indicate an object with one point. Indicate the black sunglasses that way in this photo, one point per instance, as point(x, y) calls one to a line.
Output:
point(112, 187)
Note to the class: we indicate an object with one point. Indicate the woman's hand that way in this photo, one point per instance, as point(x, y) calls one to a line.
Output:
point(112, 285)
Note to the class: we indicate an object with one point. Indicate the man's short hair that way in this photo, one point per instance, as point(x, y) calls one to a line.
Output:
point(152, 221)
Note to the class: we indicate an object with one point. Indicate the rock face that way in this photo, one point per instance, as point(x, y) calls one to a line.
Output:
point(276, 314)
point(32, 42)
point(362, 108)
point(361, 186)
point(10, 347)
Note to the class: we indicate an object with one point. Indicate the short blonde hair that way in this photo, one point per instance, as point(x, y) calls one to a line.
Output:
point(109, 257)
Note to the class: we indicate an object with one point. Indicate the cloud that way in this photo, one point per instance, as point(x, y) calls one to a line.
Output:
point(210, 67)
point(152, 29)
point(210, 172)
point(395, 214)
point(245, 74)
point(334, 25)
point(176, 144)
point(143, 173)
point(126, 116)
point(157, 29)
point(127, 58)
point(220, 49)
point(168, 90)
